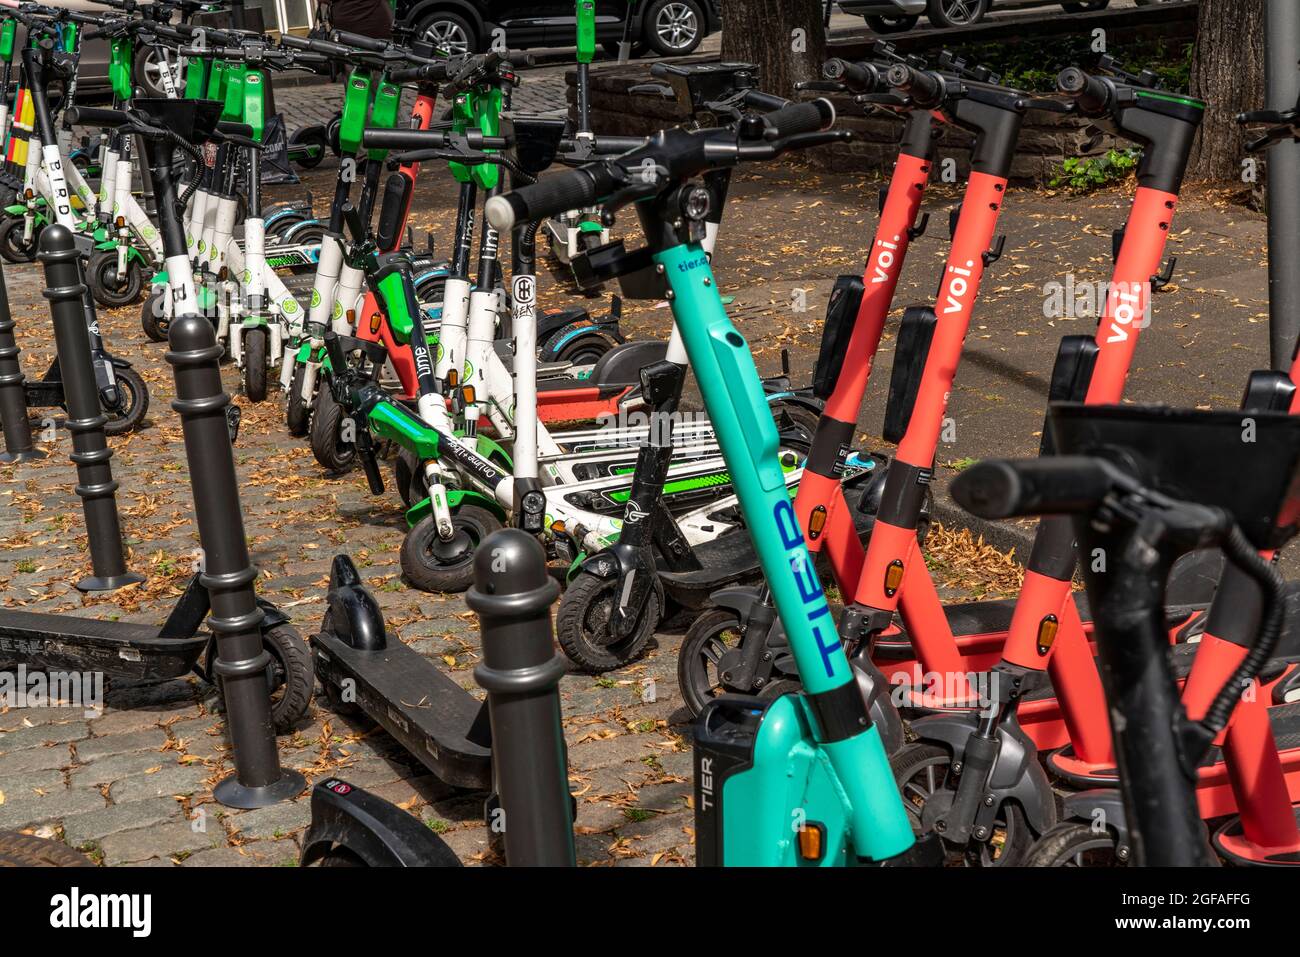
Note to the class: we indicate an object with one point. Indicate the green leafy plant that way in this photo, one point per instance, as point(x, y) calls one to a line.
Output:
point(1085, 174)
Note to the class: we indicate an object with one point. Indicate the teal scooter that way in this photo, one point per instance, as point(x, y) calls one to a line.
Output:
point(803, 780)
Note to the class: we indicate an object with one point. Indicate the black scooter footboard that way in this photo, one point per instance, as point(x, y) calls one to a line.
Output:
point(351, 824)
point(915, 334)
point(431, 716)
point(841, 315)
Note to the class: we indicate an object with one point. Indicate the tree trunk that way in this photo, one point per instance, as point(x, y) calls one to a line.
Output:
point(1228, 73)
point(786, 39)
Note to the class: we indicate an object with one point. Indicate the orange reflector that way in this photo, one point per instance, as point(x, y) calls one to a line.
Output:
point(467, 393)
point(893, 577)
point(1047, 629)
point(121, 222)
point(351, 315)
point(816, 522)
point(557, 526)
point(811, 844)
point(452, 377)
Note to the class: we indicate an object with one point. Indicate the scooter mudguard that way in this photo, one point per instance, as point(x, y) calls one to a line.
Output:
point(392, 421)
point(1017, 776)
point(635, 567)
point(16, 209)
point(379, 833)
point(1100, 808)
point(455, 499)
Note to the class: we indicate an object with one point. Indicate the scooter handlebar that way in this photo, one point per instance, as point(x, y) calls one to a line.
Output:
point(1053, 485)
point(359, 41)
point(795, 118)
point(398, 139)
point(925, 87)
point(1091, 94)
point(96, 116)
point(550, 196)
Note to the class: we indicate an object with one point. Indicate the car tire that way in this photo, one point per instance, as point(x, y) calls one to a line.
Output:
point(956, 13)
point(886, 25)
point(442, 25)
point(673, 27)
point(146, 72)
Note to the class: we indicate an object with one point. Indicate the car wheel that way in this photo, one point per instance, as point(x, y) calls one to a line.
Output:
point(448, 32)
point(900, 24)
point(956, 13)
point(673, 27)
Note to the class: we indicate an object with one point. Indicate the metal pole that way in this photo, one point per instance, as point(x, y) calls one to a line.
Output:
point(1282, 86)
point(13, 394)
point(90, 451)
point(521, 673)
point(227, 572)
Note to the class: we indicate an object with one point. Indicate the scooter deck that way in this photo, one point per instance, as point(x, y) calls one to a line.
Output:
point(435, 719)
point(118, 649)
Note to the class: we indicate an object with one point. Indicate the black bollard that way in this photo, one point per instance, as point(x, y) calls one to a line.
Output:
point(13, 394)
point(90, 451)
point(227, 572)
point(521, 674)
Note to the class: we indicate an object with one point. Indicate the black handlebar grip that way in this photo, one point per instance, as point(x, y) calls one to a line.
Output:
point(95, 116)
point(1091, 93)
point(425, 73)
point(798, 118)
point(572, 189)
point(923, 86)
point(858, 77)
point(1054, 485)
point(767, 102)
point(360, 41)
point(231, 128)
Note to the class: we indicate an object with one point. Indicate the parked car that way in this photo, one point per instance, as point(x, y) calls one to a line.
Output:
point(894, 16)
point(663, 27)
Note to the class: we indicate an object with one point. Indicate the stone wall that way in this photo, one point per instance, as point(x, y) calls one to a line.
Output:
point(1046, 141)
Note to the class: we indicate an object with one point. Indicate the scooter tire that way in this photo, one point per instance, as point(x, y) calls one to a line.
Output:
point(409, 478)
point(697, 687)
point(1067, 844)
point(255, 341)
point(137, 403)
point(297, 413)
point(109, 289)
point(294, 678)
point(582, 625)
point(152, 320)
point(12, 247)
point(327, 443)
point(452, 571)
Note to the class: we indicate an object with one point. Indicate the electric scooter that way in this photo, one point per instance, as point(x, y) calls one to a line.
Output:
point(1122, 474)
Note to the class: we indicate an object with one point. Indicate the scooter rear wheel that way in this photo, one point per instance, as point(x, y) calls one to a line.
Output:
point(582, 624)
point(255, 364)
point(134, 405)
point(432, 565)
point(297, 413)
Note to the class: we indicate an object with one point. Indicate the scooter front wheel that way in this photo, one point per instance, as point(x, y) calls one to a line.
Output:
point(699, 676)
point(255, 364)
point(13, 247)
point(152, 320)
point(432, 565)
point(135, 403)
point(1072, 844)
point(111, 288)
point(924, 772)
point(582, 624)
point(297, 414)
point(327, 436)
